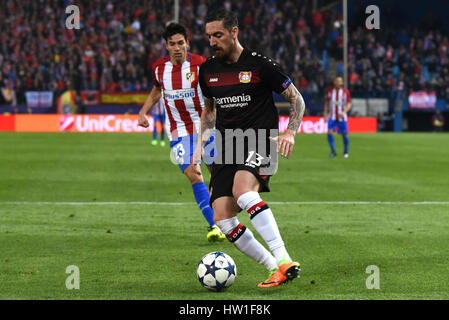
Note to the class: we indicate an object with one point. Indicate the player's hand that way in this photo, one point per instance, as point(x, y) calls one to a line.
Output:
point(285, 143)
point(326, 118)
point(143, 121)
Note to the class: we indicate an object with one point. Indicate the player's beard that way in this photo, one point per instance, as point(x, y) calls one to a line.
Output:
point(221, 54)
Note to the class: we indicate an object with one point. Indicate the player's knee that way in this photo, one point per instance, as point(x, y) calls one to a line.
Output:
point(243, 187)
point(224, 208)
point(196, 179)
point(193, 175)
point(220, 215)
point(237, 191)
point(217, 217)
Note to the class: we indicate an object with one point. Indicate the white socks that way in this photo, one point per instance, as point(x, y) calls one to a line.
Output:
point(263, 221)
point(244, 240)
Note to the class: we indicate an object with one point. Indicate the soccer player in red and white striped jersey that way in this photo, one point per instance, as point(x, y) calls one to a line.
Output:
point(175, 79)
point(336, 107)
point(182, 96)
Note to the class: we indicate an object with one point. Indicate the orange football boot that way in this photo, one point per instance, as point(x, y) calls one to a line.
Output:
point(287, 271)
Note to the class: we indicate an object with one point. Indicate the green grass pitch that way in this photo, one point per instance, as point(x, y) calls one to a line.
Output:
point(53, 189)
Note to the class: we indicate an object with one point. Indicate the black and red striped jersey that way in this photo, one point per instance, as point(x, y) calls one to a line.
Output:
point(243, 90)
point(243, 93)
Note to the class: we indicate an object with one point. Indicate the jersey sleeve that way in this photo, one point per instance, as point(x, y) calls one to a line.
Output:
point(276, 78)
point(348, 96)
point(202, 82)
point(153, 73)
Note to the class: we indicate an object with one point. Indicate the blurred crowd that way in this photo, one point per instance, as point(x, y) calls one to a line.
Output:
point(120, 40)
point(391, 62)
point(108, 53)
point(288, 31)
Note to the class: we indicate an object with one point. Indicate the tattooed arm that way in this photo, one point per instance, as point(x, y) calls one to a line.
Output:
point(297, 108)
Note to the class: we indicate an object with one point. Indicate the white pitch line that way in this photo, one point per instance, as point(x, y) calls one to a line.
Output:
point(94, 203)
point(414, 203)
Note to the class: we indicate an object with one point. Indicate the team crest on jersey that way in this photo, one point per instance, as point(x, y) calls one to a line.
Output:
point(190, 76)
point(245, 77)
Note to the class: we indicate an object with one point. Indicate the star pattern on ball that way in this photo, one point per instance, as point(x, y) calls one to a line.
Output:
point(220, 286)
point(201, 279)
point(231, 269)
point(210, 269)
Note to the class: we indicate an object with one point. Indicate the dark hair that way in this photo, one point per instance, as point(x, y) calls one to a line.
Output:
point(174, 28)
point(229, 18)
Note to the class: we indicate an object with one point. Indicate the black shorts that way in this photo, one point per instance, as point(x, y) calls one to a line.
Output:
point(222, 180)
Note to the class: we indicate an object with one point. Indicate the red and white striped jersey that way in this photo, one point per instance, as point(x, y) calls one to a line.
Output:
point(338, 100)
point(181, 94)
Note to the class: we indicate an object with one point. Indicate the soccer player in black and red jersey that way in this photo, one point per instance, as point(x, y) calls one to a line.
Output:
point(237, 85)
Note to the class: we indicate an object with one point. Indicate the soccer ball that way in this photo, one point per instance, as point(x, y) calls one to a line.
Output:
point(216, 271)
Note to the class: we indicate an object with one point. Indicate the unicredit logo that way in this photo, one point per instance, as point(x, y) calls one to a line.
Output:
point(66, 123)
point(102, 123)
